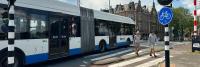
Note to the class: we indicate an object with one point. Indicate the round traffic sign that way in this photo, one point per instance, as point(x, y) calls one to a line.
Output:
point(165, 15)
point(164, 2)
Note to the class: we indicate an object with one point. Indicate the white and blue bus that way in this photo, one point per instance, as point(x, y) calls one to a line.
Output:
point(49, 29)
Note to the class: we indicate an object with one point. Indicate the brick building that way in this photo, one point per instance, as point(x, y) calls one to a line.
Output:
point(145, 17)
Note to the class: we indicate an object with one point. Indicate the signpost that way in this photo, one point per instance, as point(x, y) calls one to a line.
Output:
point(11, 33)
point(165, 16)
point(195, 38)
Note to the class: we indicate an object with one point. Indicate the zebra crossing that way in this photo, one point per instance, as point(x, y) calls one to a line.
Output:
point(143, 61)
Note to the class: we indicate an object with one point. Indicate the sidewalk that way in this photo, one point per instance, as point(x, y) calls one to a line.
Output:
point(183, 56)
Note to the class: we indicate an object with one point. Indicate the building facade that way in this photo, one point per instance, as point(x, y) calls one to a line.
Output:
point(146, 18)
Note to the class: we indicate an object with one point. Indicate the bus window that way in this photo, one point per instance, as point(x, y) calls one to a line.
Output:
point(122, 29)
point(101, 28)
point(21, 24)
point(116, 28)
point(38, 26)
point(74, 26)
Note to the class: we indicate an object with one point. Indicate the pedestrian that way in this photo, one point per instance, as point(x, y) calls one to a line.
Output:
point(137, 42)
point(152, 41)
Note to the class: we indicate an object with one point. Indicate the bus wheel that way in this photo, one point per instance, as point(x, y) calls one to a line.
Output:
point(102, 46)
point(19, 62)
point(128, 42)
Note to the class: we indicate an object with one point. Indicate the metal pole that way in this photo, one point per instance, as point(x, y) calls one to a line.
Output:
point(195, 18)
point(11, 33)
point(166, 38)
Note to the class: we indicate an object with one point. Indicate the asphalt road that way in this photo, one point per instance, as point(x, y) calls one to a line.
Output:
point(83, 60)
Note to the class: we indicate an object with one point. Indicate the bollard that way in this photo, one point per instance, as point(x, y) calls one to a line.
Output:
point(11, 34)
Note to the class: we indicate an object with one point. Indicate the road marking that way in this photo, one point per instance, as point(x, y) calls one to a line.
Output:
point(94, 55)
point(125, 63)
point(151, 63)
point(111, 55)
point(134, 53)
point(82, 65)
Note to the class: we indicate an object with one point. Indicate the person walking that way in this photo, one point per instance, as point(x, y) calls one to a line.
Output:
point(137, 42)
point(152, 41)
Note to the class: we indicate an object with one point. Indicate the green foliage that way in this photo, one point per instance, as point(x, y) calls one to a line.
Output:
point(182, 21)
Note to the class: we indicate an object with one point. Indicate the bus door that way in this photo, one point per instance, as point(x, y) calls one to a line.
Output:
point(59, 40)
point(112, 35)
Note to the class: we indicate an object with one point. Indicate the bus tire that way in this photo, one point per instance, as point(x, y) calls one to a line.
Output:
point(102, 46)
point(19, 59)
point(128, 42)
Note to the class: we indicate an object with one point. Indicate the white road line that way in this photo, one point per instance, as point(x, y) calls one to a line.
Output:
point(111, 55)
point(133, 53)
point(125, 63)
point(151, 63)
point(103, 53)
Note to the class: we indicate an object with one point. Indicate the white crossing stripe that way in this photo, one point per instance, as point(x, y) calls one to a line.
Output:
point(134, 53)
point(151, 63)
point(100, 54)
point(125, 63)
point(111, 55)
point(10, 60)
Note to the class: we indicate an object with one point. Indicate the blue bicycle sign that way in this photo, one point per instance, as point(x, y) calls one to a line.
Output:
point(165, 16)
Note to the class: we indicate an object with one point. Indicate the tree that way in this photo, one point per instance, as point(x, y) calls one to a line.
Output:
point(182, 22)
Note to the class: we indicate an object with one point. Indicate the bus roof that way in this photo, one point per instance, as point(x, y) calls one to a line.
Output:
point(57, 6)
point(112, 17)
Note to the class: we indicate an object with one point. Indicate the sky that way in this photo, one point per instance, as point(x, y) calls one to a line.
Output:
point(101, 4)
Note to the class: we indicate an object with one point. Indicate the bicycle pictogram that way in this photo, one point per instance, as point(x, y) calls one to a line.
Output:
point(165, 15)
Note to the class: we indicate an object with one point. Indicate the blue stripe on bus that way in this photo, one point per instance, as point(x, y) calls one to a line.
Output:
point(121, 44)
point(36, 58)
point(75, 51)
point(44, 57)
point(97, 47)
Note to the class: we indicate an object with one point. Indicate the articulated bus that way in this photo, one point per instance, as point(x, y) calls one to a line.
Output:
point(49, 29)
